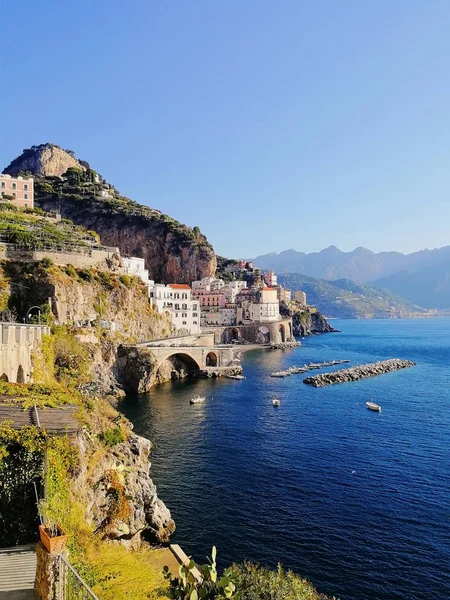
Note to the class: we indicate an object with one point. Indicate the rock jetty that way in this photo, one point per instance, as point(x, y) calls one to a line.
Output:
point(359, 372)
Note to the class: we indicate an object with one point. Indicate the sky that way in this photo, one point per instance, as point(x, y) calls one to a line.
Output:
point(270, 125)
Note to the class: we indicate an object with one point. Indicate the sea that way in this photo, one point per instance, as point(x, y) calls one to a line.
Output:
point(355, 501)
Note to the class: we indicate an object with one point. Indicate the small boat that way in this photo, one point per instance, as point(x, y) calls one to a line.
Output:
point(196, 399)
point(238, 377)
point(373, 406)
point(276, 402)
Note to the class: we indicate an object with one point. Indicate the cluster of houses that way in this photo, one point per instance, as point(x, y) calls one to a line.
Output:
point(211, 302)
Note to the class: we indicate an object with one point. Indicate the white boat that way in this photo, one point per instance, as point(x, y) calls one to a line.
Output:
point(196, 399)
point(373, 406)
point(238, 377)
point(276, 402)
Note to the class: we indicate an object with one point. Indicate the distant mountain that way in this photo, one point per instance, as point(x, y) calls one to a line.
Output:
point(421, 277)
point(428, 287)
point(346, 299)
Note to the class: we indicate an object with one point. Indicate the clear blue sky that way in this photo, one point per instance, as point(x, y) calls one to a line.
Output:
point(271, 125)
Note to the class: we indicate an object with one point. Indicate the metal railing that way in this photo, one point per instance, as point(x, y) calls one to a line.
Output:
point(70, 586)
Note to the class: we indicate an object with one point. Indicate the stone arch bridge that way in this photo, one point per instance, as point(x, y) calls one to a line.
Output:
point(18, 342)
point(196, 357)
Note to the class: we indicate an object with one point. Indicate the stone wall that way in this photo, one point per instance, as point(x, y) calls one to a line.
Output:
point(105, 258)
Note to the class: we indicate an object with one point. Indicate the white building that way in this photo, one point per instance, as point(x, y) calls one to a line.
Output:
point(209, 284)
point(136, 266)
point(175, 299)
point(232, 289)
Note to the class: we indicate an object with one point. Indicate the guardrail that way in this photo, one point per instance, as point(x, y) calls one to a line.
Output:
point(70, 585)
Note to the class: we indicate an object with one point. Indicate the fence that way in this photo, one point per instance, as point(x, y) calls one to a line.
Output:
point(70, 585)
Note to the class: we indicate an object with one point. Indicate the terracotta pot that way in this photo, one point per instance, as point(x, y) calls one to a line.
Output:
point(56, 544)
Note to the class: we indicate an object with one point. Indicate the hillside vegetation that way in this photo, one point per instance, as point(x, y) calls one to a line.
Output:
point(345, 299)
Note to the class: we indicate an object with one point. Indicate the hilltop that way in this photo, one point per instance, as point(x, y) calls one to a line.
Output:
point(173, 252)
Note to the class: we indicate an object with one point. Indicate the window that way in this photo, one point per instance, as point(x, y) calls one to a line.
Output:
point(3, 193)
point(194, 322)
point(184, 322)
point(177, 307)
point(3, 184)
point(14, 194)
point(25, 196)
point(14, 186)
point(25, 186)
point(176, 315)
point(194, 314)
point(184, 306)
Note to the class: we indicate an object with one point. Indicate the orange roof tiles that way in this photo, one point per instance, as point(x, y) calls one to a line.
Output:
point(179, 286)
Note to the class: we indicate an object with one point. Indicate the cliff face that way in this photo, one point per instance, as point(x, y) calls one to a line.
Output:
point(170, 255)
point(46, 160)
point(173, 252)
point(129, 464)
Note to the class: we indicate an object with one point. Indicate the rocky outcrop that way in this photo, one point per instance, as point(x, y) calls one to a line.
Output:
point(46, 160)
point(359, 372)
point(126, 464)
point(307, 321)
point(135, 368)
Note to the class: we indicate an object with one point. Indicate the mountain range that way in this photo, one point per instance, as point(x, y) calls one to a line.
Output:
point(422, 278)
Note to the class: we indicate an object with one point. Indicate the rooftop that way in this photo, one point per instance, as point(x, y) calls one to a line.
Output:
point(179, 286)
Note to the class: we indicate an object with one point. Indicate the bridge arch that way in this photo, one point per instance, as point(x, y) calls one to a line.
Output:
point(211, 359)
point(176, 365)
point(230, 334)
point(20, 375)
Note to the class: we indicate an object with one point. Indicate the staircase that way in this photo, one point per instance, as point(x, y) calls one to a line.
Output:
point(17, 572)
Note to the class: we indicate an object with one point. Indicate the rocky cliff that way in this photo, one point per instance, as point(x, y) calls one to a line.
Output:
point(126, 463)
point(307, 321)
point(173, 252)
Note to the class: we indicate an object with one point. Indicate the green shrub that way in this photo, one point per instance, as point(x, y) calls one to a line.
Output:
point(111, 437)
point(46, 263)
point(126, 280)
point(260, 583)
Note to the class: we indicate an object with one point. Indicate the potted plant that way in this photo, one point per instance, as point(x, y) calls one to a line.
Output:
point(53, 537)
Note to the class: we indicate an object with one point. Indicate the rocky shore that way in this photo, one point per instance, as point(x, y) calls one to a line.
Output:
point(359, 372)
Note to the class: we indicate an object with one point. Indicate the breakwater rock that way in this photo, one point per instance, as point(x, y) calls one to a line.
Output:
point(359, 372)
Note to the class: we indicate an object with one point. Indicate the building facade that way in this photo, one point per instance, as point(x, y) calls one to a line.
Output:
point(176, 299)
point(19, 189)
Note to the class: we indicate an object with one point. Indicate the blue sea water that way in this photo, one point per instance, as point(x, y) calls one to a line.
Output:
point(356, 501)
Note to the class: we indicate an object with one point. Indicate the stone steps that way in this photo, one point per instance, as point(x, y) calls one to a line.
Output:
point(17, 573)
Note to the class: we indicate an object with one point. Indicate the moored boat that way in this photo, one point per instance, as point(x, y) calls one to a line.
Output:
point(196, 399)
point(373, 406)
point(276, 402)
